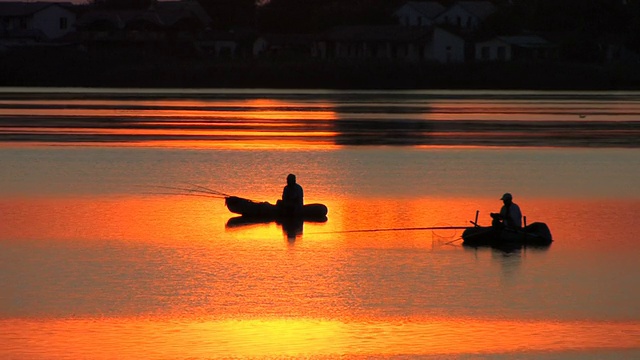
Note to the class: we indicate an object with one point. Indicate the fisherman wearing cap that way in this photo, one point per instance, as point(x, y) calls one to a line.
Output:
point(509, 216)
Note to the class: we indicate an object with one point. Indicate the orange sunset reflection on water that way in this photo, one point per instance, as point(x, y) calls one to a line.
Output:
point(252, 109)
point(101, 259)
point(302, 298)
point(130, 338)
point(317, 123)
point(182, 123)
point(167, 218)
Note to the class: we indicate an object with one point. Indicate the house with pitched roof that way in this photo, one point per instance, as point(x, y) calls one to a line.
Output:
point(445, 47)
point(466, 15)
point(418, 13)
point(36, 21)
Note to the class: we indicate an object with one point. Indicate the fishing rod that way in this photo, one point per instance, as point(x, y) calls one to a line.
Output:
point(206, 189)
point(474, 223)
point(185, 194)
point(397, 229)
point(191, 191)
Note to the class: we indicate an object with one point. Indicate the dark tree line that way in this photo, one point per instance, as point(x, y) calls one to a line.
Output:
point(590, 16)
point(580, 21)
point(227, 14)
point(124, 4)
point(580, 24)
point(318, 15)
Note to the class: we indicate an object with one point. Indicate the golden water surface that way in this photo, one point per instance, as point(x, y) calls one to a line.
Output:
point(102, 256)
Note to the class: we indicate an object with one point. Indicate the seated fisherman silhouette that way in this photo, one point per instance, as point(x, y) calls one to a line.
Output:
point(509, 216)
point(292, 197)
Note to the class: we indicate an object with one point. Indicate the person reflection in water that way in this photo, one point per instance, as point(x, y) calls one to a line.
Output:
point(292, 197)
point(509, 216)
point(292, 228)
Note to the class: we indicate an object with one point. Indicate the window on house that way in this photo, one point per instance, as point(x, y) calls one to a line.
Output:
point(64, 23)
point(485, 53)
point(23, 23)
point(502, 53)
point(459, 21)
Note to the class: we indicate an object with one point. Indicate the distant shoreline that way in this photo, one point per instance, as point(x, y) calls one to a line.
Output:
point(144, 68)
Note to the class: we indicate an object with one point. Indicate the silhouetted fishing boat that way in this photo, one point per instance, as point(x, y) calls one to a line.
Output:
point(535, 234)
point(267, 211)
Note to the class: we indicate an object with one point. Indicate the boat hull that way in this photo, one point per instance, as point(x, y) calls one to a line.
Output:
point(267, 211)
point(536, 234)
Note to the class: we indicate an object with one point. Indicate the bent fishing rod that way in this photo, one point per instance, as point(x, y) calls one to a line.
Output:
point(397, 229)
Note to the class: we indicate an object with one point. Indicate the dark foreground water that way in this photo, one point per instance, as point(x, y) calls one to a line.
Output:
point(98, 261)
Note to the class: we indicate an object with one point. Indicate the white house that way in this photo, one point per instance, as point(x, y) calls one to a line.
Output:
point(445, 47)
point(50, 20)
point(418, 13)
point(508, 48)
point(466, 15)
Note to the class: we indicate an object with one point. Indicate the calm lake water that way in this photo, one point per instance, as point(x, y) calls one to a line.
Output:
point(98, 260)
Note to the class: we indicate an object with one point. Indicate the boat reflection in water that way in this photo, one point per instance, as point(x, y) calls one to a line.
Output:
point(291, 227)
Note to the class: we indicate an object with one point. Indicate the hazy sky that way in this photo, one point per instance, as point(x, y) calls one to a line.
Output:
point(61, 1)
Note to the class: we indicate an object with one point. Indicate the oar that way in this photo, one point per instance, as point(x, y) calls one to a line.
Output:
point(475, 222)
